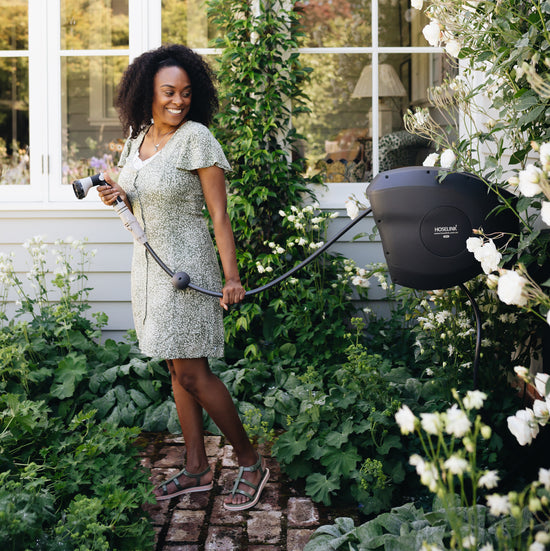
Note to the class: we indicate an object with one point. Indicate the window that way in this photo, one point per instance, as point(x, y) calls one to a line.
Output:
point(370, 64)
point(60, 62)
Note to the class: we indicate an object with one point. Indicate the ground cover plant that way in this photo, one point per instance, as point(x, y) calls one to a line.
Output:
point(70, 477)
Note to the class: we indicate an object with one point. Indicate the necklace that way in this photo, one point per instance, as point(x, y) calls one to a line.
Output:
point(157, 145)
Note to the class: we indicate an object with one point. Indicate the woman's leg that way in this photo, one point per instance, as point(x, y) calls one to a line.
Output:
point(192, 377)
point(190, 417)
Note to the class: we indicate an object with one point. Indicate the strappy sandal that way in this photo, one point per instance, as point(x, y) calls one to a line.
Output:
point(189, 489)
point(257, 488)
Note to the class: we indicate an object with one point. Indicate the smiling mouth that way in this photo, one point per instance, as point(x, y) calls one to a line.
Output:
point(175, 111)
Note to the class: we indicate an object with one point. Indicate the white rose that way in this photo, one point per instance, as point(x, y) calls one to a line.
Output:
point(453, 47)
point(352, 209)
point(541, 381)
point(432, 33)
point(544, 477)
point(473, 243)
point(510, 288)
point(488, 256)
point(540, 409)
point(448, 158)
point(544, 153)
point(545, 212)
point(417, 4)
point(523, 426)
point(431, 159)
point(548, 317)
point(529, 179)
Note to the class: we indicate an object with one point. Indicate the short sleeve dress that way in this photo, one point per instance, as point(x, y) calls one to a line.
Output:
point(167, 199)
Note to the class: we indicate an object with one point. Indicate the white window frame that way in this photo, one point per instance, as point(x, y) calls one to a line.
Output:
point(44, 54)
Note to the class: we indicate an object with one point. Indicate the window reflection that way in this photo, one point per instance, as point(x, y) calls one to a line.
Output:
point(94, 24)
point(92, 138)
point(14, 27)
point(330, 23)
point(186, 22)
point(14, 121)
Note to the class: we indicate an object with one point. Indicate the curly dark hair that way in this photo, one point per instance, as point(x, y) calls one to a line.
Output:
point(135, 92)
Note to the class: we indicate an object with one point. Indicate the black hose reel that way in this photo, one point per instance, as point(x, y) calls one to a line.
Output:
point(424, 216)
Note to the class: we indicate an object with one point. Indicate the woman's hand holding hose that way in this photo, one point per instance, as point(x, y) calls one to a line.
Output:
point(110, 191)
point(232, 293)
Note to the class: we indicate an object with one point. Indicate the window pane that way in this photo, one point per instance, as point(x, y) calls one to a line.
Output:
point(336, 132)
point(185, 22)
point(330, 23)
point(94, 24)
point(92, 139)
point(394, 23)
point(14, 26)
point(14, 121)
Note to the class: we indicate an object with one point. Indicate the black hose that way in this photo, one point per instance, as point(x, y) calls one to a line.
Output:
point(477, 315)
point(181, 280)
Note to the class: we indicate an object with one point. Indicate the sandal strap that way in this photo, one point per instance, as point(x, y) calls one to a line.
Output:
point(240, 480)
point(175, 479)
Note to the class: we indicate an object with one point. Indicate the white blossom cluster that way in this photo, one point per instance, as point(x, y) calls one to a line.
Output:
point(525, 424)
point(444, 462)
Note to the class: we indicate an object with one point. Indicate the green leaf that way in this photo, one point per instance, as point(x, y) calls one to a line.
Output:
point(71, 370)
point(287, 446)
point(341, 461)
point(319, 487)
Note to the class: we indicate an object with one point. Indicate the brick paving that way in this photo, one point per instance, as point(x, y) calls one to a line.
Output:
point(283, 520)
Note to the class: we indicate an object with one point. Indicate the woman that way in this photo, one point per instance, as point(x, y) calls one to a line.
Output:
point(171, 166)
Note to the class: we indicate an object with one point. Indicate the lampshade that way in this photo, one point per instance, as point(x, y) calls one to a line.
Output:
point(389, 84)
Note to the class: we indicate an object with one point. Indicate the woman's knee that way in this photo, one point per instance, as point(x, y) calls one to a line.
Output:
point(190, 374)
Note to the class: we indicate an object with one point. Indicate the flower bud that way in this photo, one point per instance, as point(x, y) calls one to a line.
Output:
point(486, 432)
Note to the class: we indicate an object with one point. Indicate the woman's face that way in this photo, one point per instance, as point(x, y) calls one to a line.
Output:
point(171, 96)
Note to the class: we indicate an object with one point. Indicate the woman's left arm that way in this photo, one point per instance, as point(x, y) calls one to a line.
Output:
point(213, 186)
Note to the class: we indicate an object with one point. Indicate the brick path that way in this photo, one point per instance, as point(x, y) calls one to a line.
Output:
point(282, 520)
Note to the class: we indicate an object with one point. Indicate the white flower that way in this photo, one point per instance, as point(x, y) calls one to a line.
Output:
point(542, 537)
point(540, 409)
point(421, 117)
point(548, 317)
point(487, 547)
point(510, 288)
point(453, 47)
point(474, 399)
point(416, 461)
point(469, 542)
point(456, 465)
point(489, 480)
point(279, 250)
point(282, 213)
point(417, 4)
point(473, 244)
point(541, 382)
point(456, 422)
point(448, 158)
point(352, 209)
point(406, 419)
point(498, 505)
point(521, 372)
point(544, 153)
point(545, 212)
point(544, 477)
point(523, 426)
point(537, 546)
point(431, 422)
point(432, 33)
point(260, 268)
point(488, 255)
point(529, 180)
point(431, 159)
